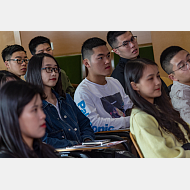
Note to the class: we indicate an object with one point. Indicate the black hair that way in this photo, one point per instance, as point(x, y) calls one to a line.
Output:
point(111, 37)
point(34, 73)
point(9, 50)
point(6, 75)
point(87, 48)
point(14, 96)
point(162, 110)
point(89, 44)
point(166, 57)
point(37, 41)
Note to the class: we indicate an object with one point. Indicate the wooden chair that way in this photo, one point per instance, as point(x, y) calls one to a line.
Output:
point(136, 146)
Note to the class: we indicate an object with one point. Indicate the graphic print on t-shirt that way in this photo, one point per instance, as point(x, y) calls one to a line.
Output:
point(113, 105)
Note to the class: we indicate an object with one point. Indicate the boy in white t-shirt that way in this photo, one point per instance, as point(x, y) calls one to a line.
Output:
point(102, 99)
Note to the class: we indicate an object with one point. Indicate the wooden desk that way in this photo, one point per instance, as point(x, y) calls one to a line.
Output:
point(104, 146)
point(114, 131)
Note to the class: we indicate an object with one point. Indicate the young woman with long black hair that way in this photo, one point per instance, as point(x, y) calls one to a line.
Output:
point(22, 122)
point(157, 127)
point(66, 124)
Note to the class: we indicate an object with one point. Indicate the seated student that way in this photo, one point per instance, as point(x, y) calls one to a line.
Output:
point(6, 76)
point(15, 59)
point(41, 44)
point(175, 61)
point(125, 44)
point(101, 98)
point(66, 125)
point(157, 127)
point(22, 122)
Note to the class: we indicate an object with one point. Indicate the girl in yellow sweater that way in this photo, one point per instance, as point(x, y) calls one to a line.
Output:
point(157, 128)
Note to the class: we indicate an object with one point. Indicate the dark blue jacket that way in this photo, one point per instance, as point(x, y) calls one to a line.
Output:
point(73, 129)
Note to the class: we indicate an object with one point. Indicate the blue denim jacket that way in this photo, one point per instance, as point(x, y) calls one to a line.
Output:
point(73, 129)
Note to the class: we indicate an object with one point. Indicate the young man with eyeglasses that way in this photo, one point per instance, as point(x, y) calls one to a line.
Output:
point(175, 61)
point(125, 45)
point(102, 99)
point(41, 44)
point(15, 59)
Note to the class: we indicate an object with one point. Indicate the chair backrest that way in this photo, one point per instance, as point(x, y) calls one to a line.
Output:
point(136, 145)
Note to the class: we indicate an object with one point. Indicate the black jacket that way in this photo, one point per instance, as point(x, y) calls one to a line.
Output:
point(118, 73)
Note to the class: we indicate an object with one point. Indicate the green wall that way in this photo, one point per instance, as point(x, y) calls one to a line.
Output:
point(72, 66)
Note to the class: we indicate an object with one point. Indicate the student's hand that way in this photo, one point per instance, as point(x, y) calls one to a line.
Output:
point(86, 140)
point(128, 112)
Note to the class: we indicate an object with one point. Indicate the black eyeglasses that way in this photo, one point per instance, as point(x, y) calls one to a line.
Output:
point(51, 69)
point(126, 43)
point(183, 67)
point(19, 61)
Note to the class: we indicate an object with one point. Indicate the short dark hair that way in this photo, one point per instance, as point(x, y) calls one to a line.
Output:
point(9, 50)
point(34, 73)
point(89, 44)
point(112, 35)
point(5, 75)
point(166, 57)
point(37, 41)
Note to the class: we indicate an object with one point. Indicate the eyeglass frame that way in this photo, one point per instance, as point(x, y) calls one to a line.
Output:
point(23, 60)
point(52, 69)
point(135, 37)
point(188, 65)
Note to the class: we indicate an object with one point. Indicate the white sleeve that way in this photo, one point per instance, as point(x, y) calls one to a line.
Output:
point(88, 106)
point(181, 102)
point(184, 102)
